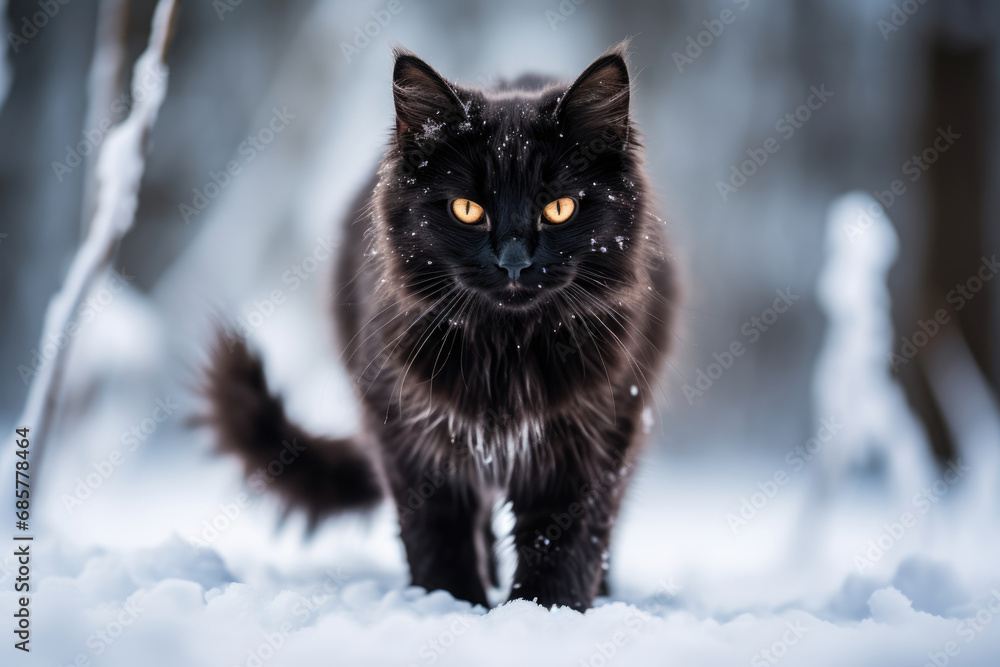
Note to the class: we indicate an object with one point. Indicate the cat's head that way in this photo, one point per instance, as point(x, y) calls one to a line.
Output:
point(517, 198)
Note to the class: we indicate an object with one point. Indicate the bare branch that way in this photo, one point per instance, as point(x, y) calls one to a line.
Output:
point(102, 87)
point(119, 169)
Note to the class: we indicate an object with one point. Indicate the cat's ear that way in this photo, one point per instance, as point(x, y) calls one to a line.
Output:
point(598, 101)
point(421, 96)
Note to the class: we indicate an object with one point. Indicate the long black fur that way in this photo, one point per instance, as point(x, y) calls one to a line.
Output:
point(317, 474)
point(476, 386)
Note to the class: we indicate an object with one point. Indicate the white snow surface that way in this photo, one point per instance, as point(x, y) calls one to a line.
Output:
point(119, 582)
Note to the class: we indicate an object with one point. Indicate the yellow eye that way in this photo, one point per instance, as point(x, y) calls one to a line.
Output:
point(467, 211)
point(559, 211)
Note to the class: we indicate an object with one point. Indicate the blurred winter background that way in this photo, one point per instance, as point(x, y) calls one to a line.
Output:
point(821, 481)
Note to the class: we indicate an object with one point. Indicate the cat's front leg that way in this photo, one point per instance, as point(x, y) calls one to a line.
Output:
point(561, 533)
point(442, 524)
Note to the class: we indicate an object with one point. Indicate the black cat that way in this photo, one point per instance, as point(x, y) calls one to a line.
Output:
point(503, 304)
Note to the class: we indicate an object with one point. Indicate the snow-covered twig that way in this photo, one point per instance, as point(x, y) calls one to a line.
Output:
point(119, 171)
point(102, 86)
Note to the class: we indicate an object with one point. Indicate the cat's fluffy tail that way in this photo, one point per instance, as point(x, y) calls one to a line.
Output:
point(321, 475)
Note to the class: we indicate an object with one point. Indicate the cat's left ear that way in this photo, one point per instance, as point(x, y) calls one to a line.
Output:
point(422, 97)
point(598, 101)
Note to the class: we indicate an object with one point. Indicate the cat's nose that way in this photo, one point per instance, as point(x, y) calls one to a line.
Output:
point(514, 258)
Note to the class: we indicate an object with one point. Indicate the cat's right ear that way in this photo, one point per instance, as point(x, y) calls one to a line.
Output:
point(598, 101)
point(421, 96)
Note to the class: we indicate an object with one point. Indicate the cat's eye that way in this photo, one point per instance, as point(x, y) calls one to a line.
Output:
point(467, 211)
point(559, 211)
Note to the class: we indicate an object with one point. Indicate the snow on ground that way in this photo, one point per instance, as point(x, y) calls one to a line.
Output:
point(120, 580)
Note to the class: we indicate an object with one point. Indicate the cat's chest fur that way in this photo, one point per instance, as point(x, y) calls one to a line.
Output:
point(494, 394)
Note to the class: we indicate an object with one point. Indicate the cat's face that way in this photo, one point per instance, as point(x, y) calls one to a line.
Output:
point(516, 199)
